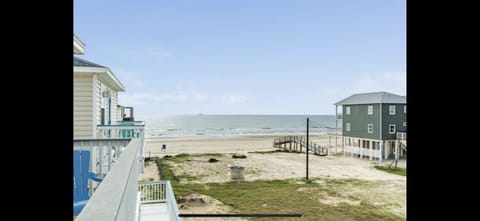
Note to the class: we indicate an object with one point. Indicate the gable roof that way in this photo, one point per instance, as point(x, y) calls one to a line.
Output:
point(374, 98)
point(84, 63)
point(105, 75)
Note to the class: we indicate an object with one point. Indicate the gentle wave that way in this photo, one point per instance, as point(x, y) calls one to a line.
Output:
point(225, 125)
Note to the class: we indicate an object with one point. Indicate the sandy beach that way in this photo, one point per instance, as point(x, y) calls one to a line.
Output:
point(263, 166)
point(241, 144)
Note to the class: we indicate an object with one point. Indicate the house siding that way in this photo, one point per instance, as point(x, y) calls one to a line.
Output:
point(82, 106)
point(114, 96)
point(103, 103)
point(359, 120)
point(119, 113)
point(98, 105)
point(396, 119)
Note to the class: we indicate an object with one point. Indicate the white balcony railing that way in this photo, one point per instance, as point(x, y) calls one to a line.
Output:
point(116, 196)
point(122, 130)
point(172, 203)
point(119, 195)
point(401, 135)
point(364, 151)
point(152, 192)
point(104, 154)
point(159, 192)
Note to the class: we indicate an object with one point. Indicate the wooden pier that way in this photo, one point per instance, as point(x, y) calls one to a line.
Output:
point(298, 144)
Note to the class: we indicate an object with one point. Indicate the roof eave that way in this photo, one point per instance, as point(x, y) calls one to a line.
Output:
point(118, 84)
point(113, 82)
point(78, 45)
point(388, 102)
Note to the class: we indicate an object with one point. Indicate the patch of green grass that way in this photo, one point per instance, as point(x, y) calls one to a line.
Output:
point(180, 158)
point(188, 177)
point(348, 182)
point(182, 155)
point(186, 155)
point(398, 170)
point(283, 196)
point(165, 171)
point(209, 155)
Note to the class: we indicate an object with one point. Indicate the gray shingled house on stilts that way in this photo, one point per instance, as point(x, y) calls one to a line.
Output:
point(374, 125)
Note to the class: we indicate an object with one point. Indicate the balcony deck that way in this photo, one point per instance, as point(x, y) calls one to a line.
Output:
point(119, 196)
point(154, 212)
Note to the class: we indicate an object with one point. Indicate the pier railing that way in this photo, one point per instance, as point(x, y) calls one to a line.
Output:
point(296, 143)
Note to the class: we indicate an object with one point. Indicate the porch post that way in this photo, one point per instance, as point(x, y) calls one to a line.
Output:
point(387, 153)
point(336, 126)
point(361, 149)
point(396, 149)
point(370, 151)
point(380, 155)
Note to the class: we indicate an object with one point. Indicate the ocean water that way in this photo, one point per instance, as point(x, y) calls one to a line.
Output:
point(233, 125)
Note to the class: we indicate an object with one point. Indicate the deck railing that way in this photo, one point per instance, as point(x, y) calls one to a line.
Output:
point(401, 135)
point(172, 204)
point(121, 129)
point(367, 152)
point(152, 192)
point(159, 192)
point(125, 129)
point(104, 154)
point(116, 196)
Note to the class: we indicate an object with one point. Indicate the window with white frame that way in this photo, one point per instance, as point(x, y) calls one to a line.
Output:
point(405, 109)
point(370, 128)
point(347, 127)
point(404, 124)
point(370, 110)
point(391, 129)
point(347, 110)
point(392, 110)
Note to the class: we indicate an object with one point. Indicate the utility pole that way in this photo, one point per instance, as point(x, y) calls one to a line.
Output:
point(306, 149)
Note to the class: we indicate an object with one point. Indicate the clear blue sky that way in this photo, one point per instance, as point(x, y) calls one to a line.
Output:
point(245, 56)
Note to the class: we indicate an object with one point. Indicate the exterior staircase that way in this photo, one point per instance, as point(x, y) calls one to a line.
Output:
point(297, 143)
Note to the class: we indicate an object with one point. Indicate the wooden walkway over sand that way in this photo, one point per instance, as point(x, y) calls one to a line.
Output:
point(297, 143)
